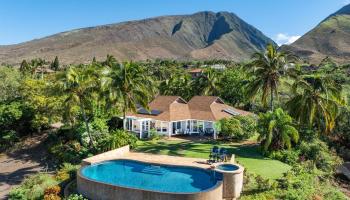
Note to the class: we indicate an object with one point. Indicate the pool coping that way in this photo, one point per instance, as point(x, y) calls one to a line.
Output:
point(218, 184)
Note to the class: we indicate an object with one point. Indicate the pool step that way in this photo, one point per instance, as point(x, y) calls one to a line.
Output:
point(153, 169)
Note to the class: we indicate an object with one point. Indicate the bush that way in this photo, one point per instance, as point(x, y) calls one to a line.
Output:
point(238, 128)
point(76, 197)
point(231, 128)
point(290, 157)
point(33, 187)
point(71, 152)
point(67, 172)
point(318, 152)
point(154, 135)
point(115, 140)
point(248, 124)
point(52, 193)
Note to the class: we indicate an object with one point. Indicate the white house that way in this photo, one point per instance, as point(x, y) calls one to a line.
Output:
point(172, 115)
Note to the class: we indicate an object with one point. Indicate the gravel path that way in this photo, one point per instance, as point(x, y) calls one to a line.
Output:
point(16, 166)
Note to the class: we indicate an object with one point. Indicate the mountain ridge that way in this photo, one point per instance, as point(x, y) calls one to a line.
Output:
point(202, 35)
point(330, 38)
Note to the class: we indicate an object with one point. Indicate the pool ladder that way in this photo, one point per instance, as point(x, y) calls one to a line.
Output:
point(154, 169)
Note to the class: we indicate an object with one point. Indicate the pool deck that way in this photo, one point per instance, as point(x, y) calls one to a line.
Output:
point(125, 153)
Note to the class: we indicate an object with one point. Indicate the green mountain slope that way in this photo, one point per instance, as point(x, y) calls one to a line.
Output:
point(330, 38)
point(203, 35)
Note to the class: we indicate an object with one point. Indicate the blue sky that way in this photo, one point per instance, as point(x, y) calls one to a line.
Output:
point(281, 20)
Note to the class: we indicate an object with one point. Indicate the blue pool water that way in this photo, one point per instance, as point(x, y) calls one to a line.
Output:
point(228, 167)
point(133, 174)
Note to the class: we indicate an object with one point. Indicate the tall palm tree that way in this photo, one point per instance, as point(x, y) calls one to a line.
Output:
point(267, 68)
point(81, 85)
point(208, 83)
point(316, 101)
point(128, 85)
point(276, 130)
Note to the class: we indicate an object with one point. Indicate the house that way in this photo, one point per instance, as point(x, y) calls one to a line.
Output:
point(195, 73)
point(172, 115)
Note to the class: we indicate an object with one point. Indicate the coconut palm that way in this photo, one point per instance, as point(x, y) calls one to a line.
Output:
point(127, 84)
point(276, 130)
point(316, 101)
point(267, 68)
point(208, 83)
point(178, 84)
point(81, 85)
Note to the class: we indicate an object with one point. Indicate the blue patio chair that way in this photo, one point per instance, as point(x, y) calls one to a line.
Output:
point(222, 155)
point(214, 154)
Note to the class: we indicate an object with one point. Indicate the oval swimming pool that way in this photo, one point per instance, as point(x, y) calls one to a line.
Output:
point(146, 176)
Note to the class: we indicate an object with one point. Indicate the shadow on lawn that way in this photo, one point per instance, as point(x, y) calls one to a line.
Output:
point(198, 148)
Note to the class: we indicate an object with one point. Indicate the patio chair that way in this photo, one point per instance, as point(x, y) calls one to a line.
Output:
point(214, 154)
point(222, 155)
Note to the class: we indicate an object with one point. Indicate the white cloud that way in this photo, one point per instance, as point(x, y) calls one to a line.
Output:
point(283, 38)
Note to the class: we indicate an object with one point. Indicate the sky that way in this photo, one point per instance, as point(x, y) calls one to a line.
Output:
point(282, 20)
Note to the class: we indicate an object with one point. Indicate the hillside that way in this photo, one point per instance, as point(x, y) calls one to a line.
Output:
point(329, 38)
point(203, 35)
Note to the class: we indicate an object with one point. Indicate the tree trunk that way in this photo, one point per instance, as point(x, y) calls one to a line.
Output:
point(271, 100)
point(87, 125)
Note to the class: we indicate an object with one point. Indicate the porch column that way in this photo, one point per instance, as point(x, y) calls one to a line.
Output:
point(149, 129)
point(132, 121)
point(140, 129)
point(169, 129)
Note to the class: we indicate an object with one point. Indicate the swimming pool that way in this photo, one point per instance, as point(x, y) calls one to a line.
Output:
point(147, 176)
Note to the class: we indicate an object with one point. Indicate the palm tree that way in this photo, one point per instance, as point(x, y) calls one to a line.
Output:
point(81, 85)
point(128, 85)
point(208, 83)
point(276, 130)
point(179, 84)
point(316, 101)
point(267, 68)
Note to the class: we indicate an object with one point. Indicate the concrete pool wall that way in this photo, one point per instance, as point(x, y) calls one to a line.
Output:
point(101, 191)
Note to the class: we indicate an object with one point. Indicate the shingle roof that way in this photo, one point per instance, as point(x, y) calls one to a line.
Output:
point(174, 108)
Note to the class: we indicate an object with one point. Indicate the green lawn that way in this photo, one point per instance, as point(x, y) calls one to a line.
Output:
point(246, 155)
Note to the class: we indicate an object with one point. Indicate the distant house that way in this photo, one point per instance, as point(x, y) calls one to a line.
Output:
point(195, 73)
point(172, 115)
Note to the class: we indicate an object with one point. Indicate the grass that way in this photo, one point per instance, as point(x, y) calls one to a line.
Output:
point(246, 155)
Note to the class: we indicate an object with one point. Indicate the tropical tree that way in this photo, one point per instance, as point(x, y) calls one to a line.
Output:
point(276, 130)
point(208, 83)
point(127, 85)
point(81, 86)
point(316, 101)
point(267, 68)
point(55, 65)
point(179, 84)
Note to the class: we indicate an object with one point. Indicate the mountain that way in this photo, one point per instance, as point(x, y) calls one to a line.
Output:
point(203, 35)
point(330, 38)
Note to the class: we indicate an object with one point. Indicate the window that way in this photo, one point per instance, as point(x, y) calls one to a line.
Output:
point(194, 126)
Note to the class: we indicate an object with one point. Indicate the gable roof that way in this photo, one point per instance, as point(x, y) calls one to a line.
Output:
point(174, 108)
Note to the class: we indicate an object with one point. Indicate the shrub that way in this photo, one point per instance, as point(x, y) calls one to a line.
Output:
point(76, 197)
point(33, 187)
point(290, 157)
point(231, 128)
point(154, 135)
point(52, 193)
point(67, 172)
point(318, 152)
point(71, 152)
point(248, 124)
point(115, 140)
point(238, 128)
